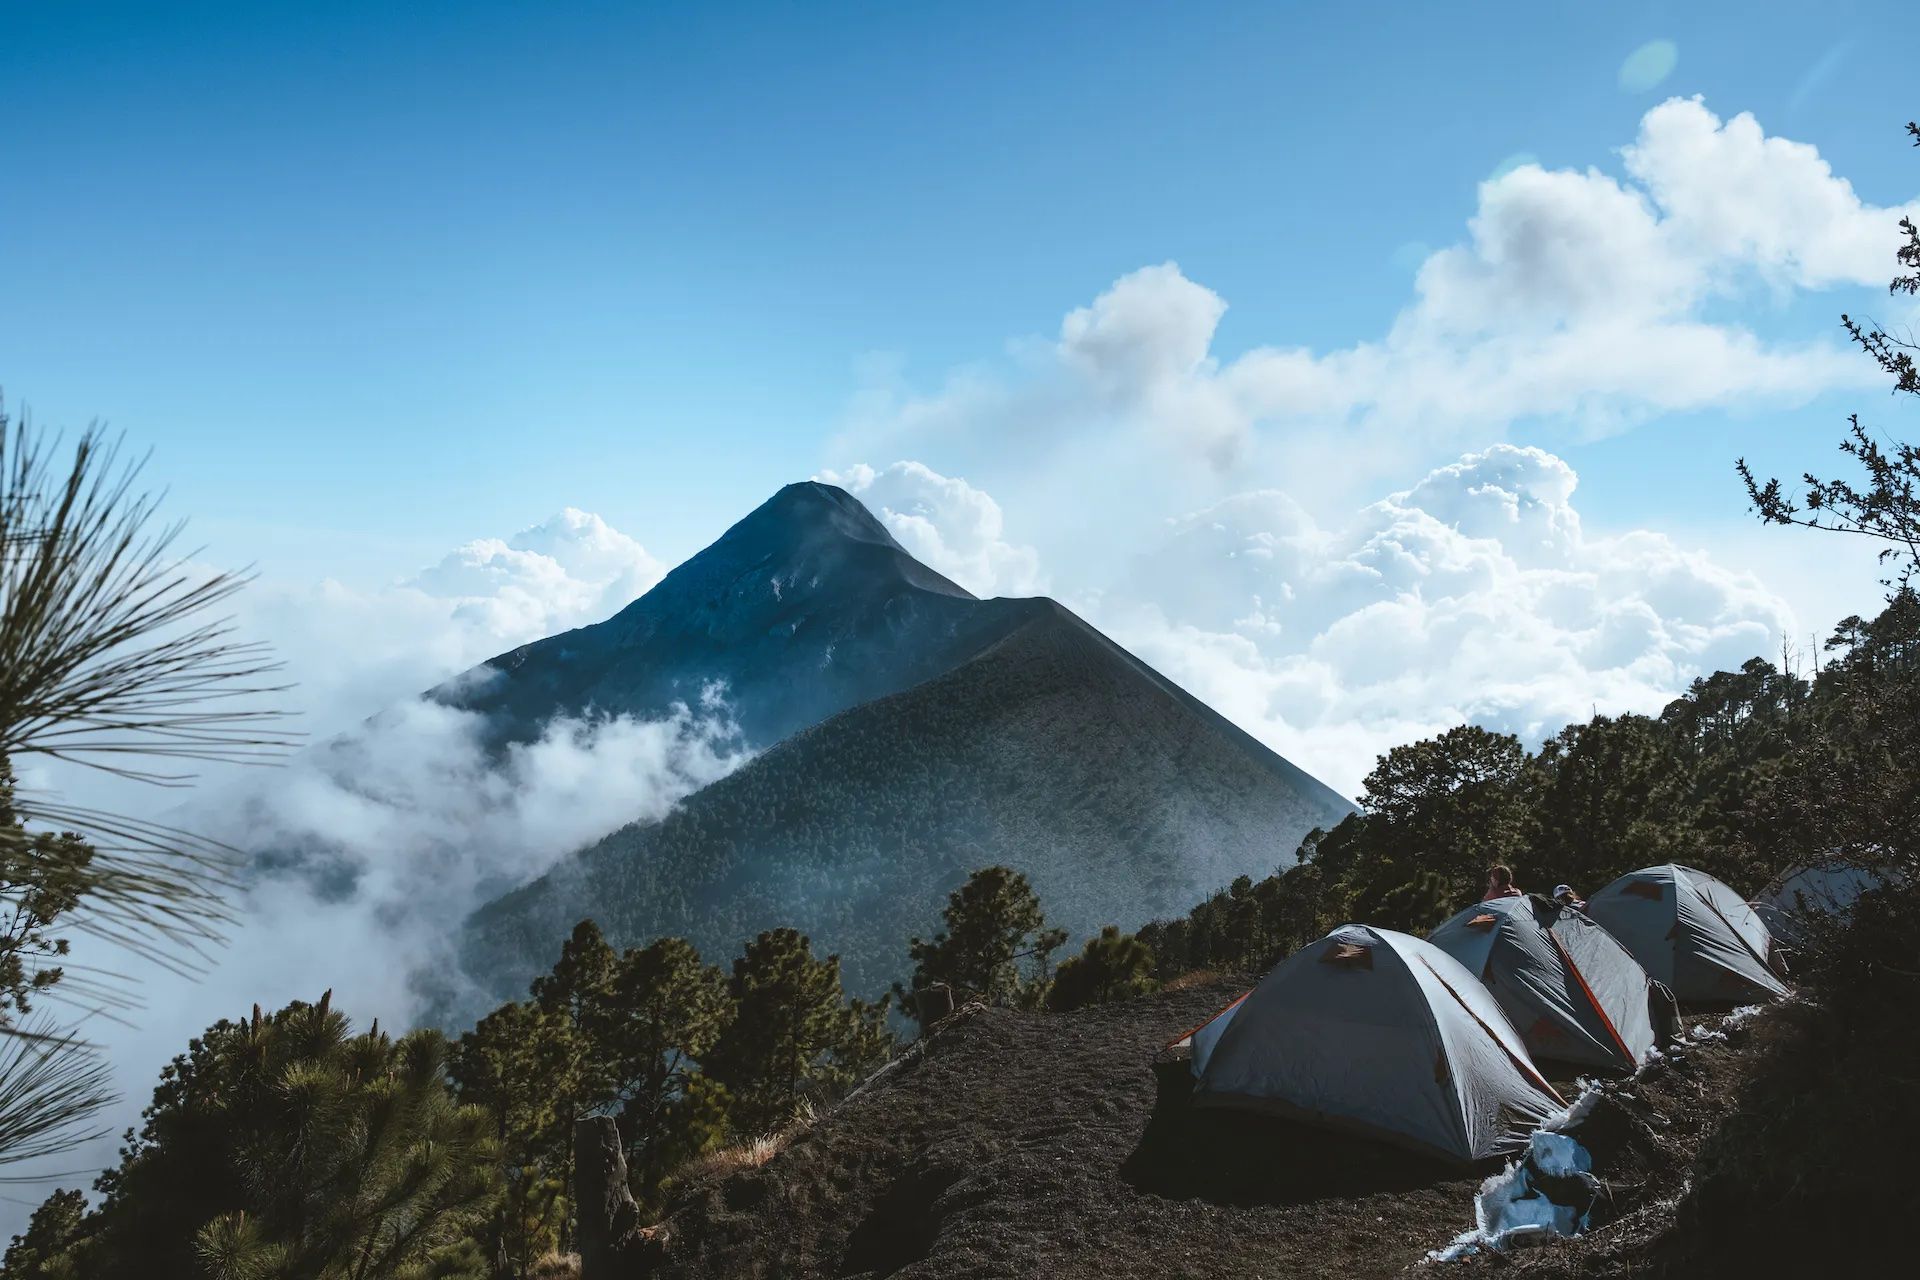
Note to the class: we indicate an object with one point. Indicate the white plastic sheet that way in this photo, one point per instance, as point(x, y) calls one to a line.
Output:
point(1512, 1204)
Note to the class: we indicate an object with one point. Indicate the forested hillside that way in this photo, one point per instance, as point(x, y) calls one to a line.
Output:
point(1749, 772)
point(1054, 751)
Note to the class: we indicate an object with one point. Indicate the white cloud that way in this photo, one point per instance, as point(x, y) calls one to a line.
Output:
point(1576, 296)
point(410, 823)
point(1475, 595)
point(570, 570)
point(1735, 196)
point(947, 524)
point(352, 651)
point(407, 826)
point(414, 823)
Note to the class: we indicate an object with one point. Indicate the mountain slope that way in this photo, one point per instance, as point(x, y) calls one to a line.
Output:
point(1052, 750)
point(804, 608)
point(1008, 1143)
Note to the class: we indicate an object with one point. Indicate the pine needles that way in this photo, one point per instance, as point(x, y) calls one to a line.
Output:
point(113, 657)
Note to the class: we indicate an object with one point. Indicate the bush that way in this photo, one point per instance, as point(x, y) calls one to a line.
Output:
point(1113, 966)
point(1823, 1135)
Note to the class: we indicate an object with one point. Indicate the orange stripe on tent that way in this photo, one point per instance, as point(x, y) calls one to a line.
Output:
point(1527, 1068)
point(1587, 991)
point(1189, 1034)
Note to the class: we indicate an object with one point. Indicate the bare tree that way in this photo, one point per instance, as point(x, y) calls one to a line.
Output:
point(1885, 504)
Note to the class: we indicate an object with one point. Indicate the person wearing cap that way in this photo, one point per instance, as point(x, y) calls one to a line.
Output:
point(1564, 895)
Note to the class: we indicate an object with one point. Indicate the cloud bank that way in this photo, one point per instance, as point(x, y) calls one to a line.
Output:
point(393, 833)
point(1474, 596)
point(400, 830)
point(1591, 300)
point(353, 651)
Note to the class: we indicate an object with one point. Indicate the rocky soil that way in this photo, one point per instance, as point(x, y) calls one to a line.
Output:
point(1022, 1144)
point(1019, 1144)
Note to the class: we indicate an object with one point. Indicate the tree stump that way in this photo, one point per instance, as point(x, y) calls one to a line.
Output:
point(932, 1003)
point(609, 1219)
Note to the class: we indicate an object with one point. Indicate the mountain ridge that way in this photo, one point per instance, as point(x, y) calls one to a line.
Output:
point(802, 608)
point(1052, 750)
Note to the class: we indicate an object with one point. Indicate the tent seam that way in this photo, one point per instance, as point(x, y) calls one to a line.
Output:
point(1459, 1108)
point(1526, 1068)
point(1593, 1000)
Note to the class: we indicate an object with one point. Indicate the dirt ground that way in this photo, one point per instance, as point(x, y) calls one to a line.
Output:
point(1016, 1144)
point(1021, 1144)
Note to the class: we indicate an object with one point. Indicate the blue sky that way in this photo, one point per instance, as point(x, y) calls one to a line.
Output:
point(375, 282)
point(396, 277)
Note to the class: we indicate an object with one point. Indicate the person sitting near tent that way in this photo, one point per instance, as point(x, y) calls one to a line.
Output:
point(1500, 882)
point(1566, 897)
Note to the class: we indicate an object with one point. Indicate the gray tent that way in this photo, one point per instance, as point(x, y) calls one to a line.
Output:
point(1826, 887)
point(1572, 992)
point(1691, 932)
point(1376, 1031)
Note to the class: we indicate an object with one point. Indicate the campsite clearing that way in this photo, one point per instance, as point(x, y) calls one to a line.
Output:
point(1014, 1143)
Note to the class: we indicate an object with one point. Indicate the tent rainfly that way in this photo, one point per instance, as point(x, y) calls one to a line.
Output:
point(1691, 932)
point(1381, 1033)
point(1570, 989)
point(1826, 887)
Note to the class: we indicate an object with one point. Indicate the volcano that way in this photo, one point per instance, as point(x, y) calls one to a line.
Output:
point(804, 608)
point(908, 733)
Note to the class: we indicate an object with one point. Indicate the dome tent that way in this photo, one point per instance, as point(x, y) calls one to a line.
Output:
point(1200, 1041)
point(1823, 888)
point(1691, 932)
point(1569, 988)
point(1377, 1031)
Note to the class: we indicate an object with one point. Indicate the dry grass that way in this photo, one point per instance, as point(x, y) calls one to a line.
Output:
point(730, 1160)
point(750, 1154)
point(556, 1266)
point(1193, 978)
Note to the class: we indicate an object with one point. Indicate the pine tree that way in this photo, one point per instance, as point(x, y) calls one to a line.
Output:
point(868, 1042)
point(42, 1251)
point(51, 1083)
point(582, 1078)
point(284, 1145)
point(364, 1166)
point(792, 1037)
point(1112, 966)
point(659, 1013)
point(699, 1120)
point(518, 1063)
point(580, 976)
point(43, 876)
point(993, 921)
point(109, 658)
point(1621, 792)
point(1435, 814)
